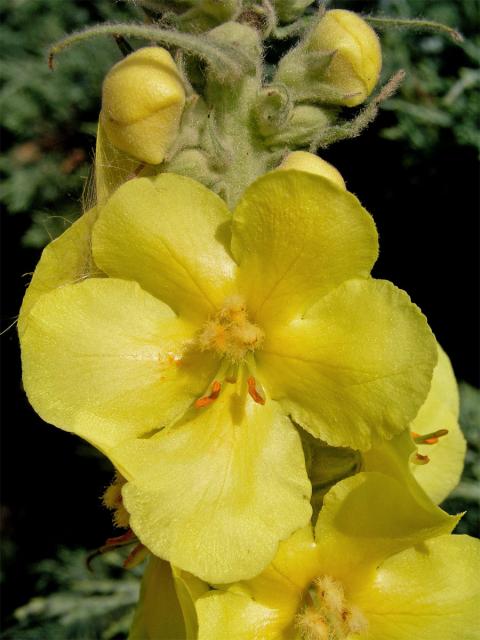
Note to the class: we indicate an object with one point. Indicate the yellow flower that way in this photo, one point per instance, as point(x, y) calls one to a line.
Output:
point(378, 567)
point(210, 331)
point(439, 468)
point(142, 103)
point(445, 454)
point(357, 59)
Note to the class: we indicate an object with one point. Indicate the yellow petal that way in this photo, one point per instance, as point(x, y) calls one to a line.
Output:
point(223, 615)
point(280, 587)
point(167, 234)
point(431, 592)
point(367, 518)
point(356, 369)
point(440, 411)
point(158, 615)
point(101, 358)
point(392, 457)
point(215, 493)
point(296, 236)
point(66, 260)
point(188, 589)
point(311, 163)
point(113, 167)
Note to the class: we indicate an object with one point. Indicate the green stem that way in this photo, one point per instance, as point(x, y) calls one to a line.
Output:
point(417, 25)
point(223, 62)
point(354, 127)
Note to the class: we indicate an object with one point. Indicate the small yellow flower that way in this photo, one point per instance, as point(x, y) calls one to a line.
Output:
point(357, 57)
point(378, 567)
point(185, 364)
point(446, 454)
point(142, 103)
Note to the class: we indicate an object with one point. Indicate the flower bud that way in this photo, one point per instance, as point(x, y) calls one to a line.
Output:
point(309, 162)
point(355, 66)
point(220, 9)
point(290, 10)
point(142, 103)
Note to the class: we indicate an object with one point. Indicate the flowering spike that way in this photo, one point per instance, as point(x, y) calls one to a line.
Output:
point(256, 391)
point(206, 400)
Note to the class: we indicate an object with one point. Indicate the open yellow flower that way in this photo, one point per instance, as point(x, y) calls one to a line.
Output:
point(427, 458)
point(377, 567)
point(185, 364)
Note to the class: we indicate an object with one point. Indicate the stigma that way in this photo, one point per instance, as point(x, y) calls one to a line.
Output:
point(327, 614)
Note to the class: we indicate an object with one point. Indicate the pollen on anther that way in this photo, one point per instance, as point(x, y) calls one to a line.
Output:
point(255, 390)
point(206, 400)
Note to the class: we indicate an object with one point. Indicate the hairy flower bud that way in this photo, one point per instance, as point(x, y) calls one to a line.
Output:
point(355, 66)
point(309, 162)
point(142, 103)
point(290, 10)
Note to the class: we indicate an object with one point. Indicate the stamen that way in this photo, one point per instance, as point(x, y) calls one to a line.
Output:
point(419, 459)
point(206, 400)
point(256, 391)
point(429, 438)
point(232, 373)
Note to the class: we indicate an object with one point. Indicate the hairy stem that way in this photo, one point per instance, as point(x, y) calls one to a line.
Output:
point(414, 24)
point(223, 62)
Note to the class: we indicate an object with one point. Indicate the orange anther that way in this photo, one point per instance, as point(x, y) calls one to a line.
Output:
point(255, 390)
point(419, 459)
point(206, 400)
point(429, 438)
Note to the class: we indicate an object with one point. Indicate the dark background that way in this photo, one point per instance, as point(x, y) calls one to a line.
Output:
point(425, 204)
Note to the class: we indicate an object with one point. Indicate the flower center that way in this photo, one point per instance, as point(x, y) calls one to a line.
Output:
point(327, 615)
point(232, 336)
point(230, 333)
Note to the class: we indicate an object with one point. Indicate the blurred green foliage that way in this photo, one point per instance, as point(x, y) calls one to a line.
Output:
point(49, 118)
point(466, 497)
point(79, 604)
point(440, 95)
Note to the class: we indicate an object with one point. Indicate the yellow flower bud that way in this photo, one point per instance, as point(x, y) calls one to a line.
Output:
point(304, 161)
point(355, 66)
point(142, 103)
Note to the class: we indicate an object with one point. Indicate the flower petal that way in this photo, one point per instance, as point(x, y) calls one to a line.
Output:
point(440, 411)
point(392, 457)
point(235, 616)
point(66, 260)
point(429, 592)
point(215, 493)
point(101, 358)
point(367, 518)
point(356, 369)
point(158, 615)
point(296, 236)
point(167, 234)
point(188, 589)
